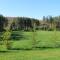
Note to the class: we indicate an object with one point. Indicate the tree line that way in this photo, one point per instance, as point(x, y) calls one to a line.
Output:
point(27, 24)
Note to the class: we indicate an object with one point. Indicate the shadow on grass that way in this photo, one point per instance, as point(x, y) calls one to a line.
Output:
point(36, 48)
point(4, 51)
point(16, 36)
point(26, 49)
point(45, 48)
point(20, 49)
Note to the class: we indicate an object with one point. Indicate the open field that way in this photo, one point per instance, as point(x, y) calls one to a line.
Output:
point(43, 39)
point(44, 54)
point(46, 43)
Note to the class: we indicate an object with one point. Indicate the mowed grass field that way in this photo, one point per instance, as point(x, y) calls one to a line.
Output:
point(46, 54)
point(44, 40)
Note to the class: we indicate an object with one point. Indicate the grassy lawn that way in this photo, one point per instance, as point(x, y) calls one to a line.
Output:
point(45, 54)
point(43, 39)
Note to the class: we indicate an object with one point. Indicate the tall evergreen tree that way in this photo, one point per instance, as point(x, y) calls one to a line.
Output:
point(3, 22)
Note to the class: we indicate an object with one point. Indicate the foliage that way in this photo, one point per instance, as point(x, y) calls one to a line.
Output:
point(3, 23)
point(5, 39)
point(24, 23)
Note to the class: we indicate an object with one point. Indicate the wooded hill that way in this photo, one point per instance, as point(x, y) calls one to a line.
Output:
point(27, 24)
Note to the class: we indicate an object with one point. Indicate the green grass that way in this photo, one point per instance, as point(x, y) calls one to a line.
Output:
point(47, 54)
point(43, 39)
point(48, 39)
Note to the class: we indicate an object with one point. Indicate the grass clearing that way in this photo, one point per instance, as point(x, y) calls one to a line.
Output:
point(43, 39)
point(47, 54)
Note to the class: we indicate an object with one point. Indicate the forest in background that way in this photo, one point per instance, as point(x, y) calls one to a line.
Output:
point(48, 23)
